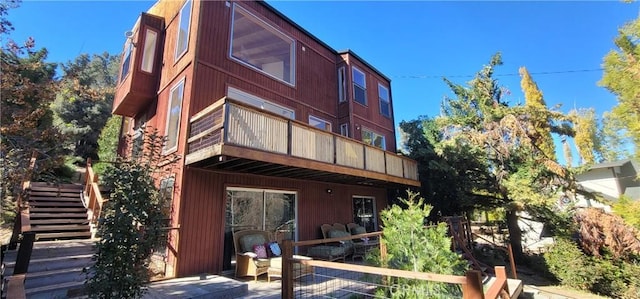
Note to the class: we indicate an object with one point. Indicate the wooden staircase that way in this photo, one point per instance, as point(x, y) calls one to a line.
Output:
point(57, 269)
point(57, 212)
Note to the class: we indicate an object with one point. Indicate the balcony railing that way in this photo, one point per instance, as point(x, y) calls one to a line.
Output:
point(229, 123)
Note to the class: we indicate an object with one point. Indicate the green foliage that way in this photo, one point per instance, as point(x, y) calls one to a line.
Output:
point(413, 247)
point(108, 144)
point(629, 210)
point(586, 138)
point(452, 176)
point(570, 265)
point(621, 76)
point(84, 102)
point(539, 125)
point(131, 225)
point(605, 276)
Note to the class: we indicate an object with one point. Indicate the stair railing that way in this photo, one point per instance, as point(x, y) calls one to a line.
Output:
point(22, 227)
point(92, 198)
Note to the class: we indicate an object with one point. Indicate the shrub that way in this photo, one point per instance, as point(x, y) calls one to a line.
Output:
point(411, 246)
point(573, 268)
point(601, 234)
point(569, 265)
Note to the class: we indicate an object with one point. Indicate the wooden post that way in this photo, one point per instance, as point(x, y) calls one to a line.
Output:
point(473, 288)
point(287, 270)
point(512, 262)
point(501, 275)
point(24, 253)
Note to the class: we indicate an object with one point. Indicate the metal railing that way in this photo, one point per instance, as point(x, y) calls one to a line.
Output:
point(360, 284)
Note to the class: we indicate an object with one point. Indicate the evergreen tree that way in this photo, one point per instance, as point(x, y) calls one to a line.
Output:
point(84, 102)
point(412, 246)
point(586, 138)
point(539, 128)
point(523, 176)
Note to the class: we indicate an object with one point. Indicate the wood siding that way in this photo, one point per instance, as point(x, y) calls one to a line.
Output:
point(315, 91)
point(201, 232)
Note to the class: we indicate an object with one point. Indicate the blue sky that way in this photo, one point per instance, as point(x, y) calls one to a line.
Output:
point(415, 43)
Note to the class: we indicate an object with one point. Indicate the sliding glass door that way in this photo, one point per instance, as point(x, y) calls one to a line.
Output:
point(263, 209)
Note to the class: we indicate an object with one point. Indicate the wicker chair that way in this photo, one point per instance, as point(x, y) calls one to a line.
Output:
point(246, 262)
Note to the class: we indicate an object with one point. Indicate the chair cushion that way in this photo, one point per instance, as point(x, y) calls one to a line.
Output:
point(358, 230)
point(275, 249)
point(247, 242)
point(260, 250)
point(325, 251)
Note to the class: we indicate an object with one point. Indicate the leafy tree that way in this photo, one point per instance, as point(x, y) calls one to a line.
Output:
point(108, 143)
point(131, 225)
point(84, 102)
point(629, 210)
point(28, 88)
point(411, 246)
point(621, 77)
point(539, 128)
point(612, 134)
point(586, 137)
point(523, 175)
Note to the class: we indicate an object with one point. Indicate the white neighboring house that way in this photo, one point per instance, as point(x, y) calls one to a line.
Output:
point(610, 180)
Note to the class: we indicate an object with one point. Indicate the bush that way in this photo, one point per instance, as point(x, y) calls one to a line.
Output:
point(602, 234)
point(411, 246)
point(569, 265)
point(604, 276)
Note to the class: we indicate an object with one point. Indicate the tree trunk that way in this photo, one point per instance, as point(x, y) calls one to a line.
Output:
point(515, 235)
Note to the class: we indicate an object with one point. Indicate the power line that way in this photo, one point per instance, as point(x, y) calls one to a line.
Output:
point(496, 75)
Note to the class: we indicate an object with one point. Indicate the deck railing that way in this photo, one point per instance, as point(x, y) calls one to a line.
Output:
point(471, 283)
point(92, 197)
point(228, 122)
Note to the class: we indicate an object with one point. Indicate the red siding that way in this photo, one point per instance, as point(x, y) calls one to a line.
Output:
point(203, 212)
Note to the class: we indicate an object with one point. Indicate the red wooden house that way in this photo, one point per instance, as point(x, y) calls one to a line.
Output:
point(275, 130)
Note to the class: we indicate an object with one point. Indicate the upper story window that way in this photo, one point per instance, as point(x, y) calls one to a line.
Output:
point(359, 86)
point(126, 59)
point(173, 116)
point(383, 97)
point(259, 102)
point(344, 129)
point(342, 95)
point(319, 123)
point(182, 40)
point(261, 46)
point(373, 138)
point(149, 53)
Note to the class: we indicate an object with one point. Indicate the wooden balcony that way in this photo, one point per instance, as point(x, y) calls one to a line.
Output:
point(231, 136)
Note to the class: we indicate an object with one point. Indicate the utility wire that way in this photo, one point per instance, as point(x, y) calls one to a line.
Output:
point(496, 75)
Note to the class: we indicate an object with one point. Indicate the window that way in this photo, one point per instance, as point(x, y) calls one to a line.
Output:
point(261, 46)
point(373, 138)
point(319, 123)
point(344, 129)
point(359, 86)
point(182, 40)
point(258, 102)
point(364, 212)
point(126, 59)
point(138, 135)
point(383, 97)
point(342, 96)
point(270, 210)
point(173, 116)
point(149, 53)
